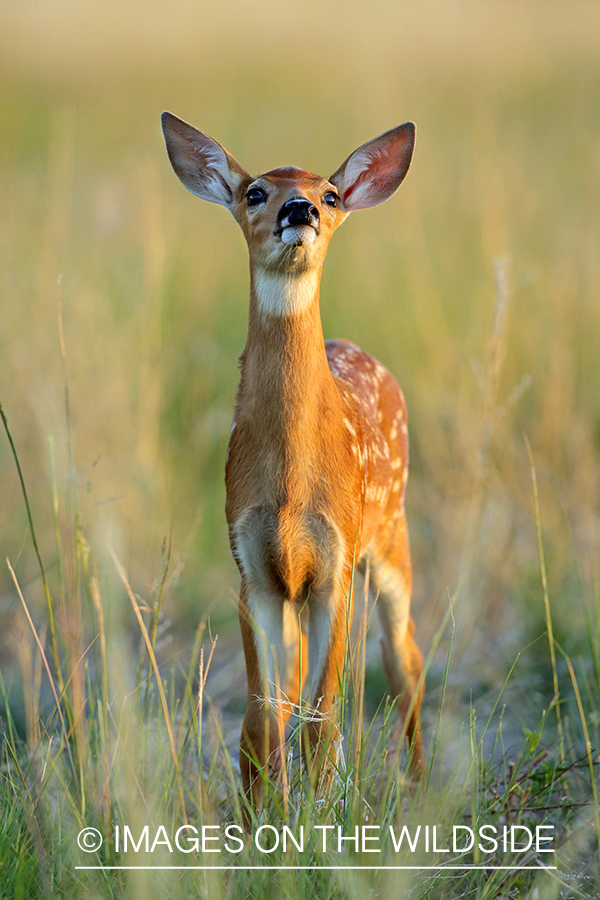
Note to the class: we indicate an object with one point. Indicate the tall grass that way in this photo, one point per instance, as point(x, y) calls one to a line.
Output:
point(123, 311)
point(146, 754)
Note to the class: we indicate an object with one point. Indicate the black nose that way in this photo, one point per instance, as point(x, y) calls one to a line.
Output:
point(297, 211)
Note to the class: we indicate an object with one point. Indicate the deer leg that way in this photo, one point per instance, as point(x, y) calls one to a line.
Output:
point(391, 581)
point(261, 623)
point(295, 668)
point(326, 645)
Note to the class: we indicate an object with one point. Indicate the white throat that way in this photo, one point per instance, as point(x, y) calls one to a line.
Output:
point(285, 295)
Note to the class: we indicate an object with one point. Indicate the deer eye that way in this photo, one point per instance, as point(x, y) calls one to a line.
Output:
point(330, 198)
point(256, 196)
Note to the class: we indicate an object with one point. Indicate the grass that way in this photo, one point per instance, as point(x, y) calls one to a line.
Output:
point(145, 760)
point(123, 311)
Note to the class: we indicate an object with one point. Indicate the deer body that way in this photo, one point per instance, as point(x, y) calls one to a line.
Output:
point(317, 461)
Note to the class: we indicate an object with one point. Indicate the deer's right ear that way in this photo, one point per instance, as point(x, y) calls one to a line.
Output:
point(201, 164)
point(376, 170)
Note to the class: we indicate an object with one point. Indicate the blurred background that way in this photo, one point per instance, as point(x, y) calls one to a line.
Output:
point(124, 298)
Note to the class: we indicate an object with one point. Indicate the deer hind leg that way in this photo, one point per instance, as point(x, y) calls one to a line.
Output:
point(391, 582)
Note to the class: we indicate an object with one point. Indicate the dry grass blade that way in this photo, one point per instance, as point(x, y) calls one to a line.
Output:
point(159, 684)
point(57, 704)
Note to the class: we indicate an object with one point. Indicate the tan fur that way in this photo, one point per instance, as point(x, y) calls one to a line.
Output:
point(317, 461)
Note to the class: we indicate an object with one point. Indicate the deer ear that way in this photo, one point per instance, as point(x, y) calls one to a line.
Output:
point(376, 170)
point(201, 164)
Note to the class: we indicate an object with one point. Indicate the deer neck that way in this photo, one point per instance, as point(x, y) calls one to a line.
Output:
point(285, 375)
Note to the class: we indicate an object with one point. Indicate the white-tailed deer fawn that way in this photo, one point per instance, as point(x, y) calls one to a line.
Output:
point(317, 461)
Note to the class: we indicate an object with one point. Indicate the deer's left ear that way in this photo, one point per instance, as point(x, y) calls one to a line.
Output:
point(376, 170)
point(202, 165)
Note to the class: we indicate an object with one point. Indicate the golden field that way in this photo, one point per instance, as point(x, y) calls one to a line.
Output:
point(124, 309)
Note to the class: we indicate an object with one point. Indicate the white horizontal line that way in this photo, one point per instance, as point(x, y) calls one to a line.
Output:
point(298, 868)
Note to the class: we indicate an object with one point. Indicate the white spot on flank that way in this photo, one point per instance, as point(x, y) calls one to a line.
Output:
point(377, 493)
point(285, 295)
point(379, 371)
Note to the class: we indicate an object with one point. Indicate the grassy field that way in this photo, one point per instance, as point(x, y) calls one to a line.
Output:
point(124, 309)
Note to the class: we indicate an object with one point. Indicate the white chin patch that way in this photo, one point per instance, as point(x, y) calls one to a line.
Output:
point(298, 234)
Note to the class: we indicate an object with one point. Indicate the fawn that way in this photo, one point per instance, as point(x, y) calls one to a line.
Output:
point(317, 461)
